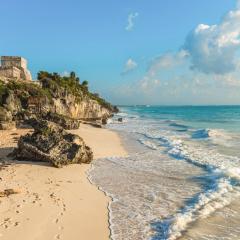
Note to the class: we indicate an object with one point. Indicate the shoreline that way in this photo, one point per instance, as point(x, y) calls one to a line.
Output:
point(56, 203)
point(121, 152)
point(109, 200)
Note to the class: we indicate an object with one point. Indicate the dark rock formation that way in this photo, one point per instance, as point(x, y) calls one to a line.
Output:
point(115, 109)
point(104, 121)
point(64, 97)
point(92, 123)
point(64, 121)
point(51, 143)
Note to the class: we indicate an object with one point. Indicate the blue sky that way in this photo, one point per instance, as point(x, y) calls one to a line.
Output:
point(132, 52)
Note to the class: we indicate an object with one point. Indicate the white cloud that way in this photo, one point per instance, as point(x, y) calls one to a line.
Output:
point(65, 74)
point(167, 61)
point(213, 49)
point(209, 52)
point(206, 69)
point(130, 65)
point(130, 21)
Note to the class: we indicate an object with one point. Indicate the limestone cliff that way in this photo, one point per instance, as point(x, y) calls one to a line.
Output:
point(70, 98)
point(64, 96)
point(86, 109)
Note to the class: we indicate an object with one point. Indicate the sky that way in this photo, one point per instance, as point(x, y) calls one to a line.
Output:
point(162, 52)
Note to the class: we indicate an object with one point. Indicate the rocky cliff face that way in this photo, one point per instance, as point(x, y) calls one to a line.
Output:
point(54, 94)
point(87, 108)
point(70, 98)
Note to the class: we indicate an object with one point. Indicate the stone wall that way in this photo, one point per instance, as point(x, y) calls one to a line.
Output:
point(26, 75)
point(18, 62)
point(10, 72)
point(14, 67)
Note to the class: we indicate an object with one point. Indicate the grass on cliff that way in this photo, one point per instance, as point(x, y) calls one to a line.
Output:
point(23, 90)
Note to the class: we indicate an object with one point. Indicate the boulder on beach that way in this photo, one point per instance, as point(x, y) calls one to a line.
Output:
point(64, 121)
point(51, 143)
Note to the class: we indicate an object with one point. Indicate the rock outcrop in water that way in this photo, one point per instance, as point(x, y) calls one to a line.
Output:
point(51, 143)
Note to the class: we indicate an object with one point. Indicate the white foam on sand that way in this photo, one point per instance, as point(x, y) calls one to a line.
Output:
point(158, 217)
point(223, 170)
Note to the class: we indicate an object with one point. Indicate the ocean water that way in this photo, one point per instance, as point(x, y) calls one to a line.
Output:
point(181, 179)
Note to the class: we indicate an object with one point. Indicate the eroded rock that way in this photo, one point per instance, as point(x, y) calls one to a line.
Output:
point(120, 119)
point(51, 143)
point(64, 121)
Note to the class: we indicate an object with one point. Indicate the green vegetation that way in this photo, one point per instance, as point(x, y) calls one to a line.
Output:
point(32, 89)
point(52, 85)
point(56, 83)
point(100, 100)
point(71, 84)
point(22, 90)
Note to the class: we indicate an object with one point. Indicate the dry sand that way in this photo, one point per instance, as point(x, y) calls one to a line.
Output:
point(55, 203)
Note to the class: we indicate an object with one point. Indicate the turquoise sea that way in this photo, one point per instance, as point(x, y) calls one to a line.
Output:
point(181, 179)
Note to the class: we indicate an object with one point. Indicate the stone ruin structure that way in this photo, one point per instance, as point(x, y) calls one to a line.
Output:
point(14, 68)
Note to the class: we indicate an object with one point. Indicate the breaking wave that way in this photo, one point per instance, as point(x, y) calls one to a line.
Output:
point(223, 171)
point(141, 173)
point(201, 133)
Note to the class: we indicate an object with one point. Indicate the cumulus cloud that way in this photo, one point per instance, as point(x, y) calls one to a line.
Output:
point(208, 59)
point(209, 49)
point(167, 61)
point(213, 49)
point(130, 65)
point(131, 21)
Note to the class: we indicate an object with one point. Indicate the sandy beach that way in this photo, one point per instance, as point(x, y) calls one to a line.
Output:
point(55, 203)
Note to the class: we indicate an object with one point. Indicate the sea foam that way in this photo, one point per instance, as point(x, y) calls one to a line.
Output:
point(147, 201)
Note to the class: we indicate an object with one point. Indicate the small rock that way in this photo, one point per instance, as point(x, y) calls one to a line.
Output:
point(8, 192)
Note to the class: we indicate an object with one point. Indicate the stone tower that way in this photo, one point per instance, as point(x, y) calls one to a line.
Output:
point(14, 68)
